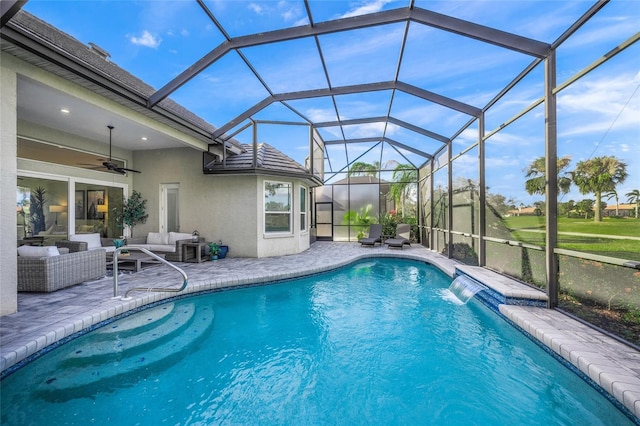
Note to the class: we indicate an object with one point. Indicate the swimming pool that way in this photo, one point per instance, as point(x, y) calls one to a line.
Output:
point(377, 342)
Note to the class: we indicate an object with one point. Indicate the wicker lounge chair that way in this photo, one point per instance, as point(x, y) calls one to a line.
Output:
point(375, 236)
point(403, 233)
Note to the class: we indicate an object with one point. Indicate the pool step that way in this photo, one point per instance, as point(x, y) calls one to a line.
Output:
point(136, 323)
point(126, 340)
point(92, 371)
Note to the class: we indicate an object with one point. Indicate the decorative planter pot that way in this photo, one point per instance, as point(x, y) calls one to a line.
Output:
point(223, 251)
point(214, 257)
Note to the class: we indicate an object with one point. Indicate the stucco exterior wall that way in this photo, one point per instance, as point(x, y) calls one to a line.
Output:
point(8, 175)
point(219, 207)
point(227, 208)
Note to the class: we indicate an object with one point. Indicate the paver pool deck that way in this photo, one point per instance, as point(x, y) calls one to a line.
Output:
point(45, 318)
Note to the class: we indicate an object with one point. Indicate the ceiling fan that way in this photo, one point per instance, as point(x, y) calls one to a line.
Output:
point(110, 165)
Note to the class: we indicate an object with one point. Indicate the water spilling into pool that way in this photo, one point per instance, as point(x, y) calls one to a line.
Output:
point(375, 343)
point(464, 288)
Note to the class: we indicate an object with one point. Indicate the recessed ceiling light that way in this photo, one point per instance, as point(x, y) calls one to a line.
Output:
point(144, 138)
point(64, 111)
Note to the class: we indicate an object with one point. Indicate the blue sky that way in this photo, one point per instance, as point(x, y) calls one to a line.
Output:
point(599, 115)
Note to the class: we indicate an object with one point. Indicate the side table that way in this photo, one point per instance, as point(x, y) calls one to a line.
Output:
point(192, 252)
point(31, 241)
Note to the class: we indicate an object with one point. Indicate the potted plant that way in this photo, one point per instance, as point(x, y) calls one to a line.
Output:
point(133, 212)
point(214, 250)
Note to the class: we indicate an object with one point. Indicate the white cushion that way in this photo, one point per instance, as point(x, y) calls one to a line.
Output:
point(34, 251)
point(177, 236)
point(157, 238)
point(92, 240)
point(161, 247)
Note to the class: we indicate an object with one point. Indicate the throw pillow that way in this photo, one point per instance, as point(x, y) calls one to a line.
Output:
point(157, 238)
point(35, 251)
point(177, 236)
point(92, 240)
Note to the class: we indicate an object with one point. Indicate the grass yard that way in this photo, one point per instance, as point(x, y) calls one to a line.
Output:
point(603, 294)
point(530, 229)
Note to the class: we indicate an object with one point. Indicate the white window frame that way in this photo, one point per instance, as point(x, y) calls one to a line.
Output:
point(289, 213)
point(303, 207)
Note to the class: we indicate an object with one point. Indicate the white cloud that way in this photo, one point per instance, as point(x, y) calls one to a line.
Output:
point(467, 137)
point(366, 7)
point(146, 39)
point(616, 29)
point(256, 8)
point(289, 11)
point(598, 105)
point(320, 115)
point(364, 130)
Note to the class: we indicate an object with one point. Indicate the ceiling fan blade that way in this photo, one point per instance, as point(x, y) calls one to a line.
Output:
point(129, 170)
point(90, 166)
point(114, 167)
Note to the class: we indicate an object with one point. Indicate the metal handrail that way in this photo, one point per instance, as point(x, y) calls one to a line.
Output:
point(155, 256)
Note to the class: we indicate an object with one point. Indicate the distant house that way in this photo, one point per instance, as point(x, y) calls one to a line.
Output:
point(624, 210)
point(525, 211)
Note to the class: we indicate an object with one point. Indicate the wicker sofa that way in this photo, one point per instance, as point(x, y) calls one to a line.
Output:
point(55, 272)
point(167, 243)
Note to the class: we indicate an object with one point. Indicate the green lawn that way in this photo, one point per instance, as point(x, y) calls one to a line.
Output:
point(629, 227)
point(523, 226)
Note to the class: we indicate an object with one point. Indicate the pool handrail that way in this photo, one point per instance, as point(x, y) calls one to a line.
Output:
point(147, 289)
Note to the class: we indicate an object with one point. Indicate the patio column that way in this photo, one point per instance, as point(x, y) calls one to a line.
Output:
point(8, 222)
point(449, 201)
point(551, 165)
point(432, 239)
point(482, 257)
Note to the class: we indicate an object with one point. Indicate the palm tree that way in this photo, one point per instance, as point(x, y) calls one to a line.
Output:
point(612, 194)
point(598, 175)
point(360, 168)
point(537, 173)
point(404, 176)
point(633, 197)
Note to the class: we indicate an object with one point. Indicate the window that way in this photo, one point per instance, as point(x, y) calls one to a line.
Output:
point(303, 208)
point(277, 207)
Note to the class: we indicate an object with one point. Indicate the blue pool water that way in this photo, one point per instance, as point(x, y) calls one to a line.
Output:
point(379, 342)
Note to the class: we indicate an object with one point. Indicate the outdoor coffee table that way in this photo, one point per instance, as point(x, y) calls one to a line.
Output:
point(134, 261)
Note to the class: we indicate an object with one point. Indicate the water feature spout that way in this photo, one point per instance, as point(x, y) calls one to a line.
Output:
point(464, 288)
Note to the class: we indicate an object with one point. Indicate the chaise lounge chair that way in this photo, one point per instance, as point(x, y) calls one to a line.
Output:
point(403, 233)
point(375, 236)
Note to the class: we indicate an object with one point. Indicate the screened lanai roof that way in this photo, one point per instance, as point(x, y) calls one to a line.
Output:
point(381, 81)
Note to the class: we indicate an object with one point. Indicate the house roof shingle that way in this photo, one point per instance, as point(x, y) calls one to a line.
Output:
point(268, 160)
